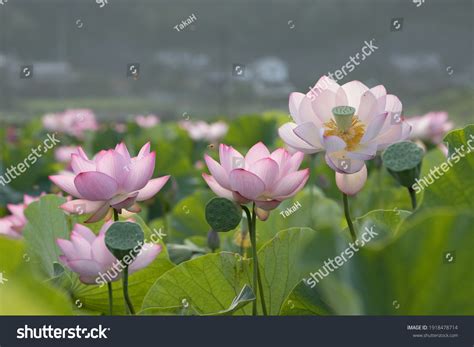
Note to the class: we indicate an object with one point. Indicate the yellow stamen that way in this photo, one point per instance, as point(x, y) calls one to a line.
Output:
point(351, 136)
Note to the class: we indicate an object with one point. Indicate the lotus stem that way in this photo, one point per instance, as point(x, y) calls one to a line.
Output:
point(116, 215)
point(347, 214)
point(111, 299)
point(412, 197)
point(128, 302)
point(257, 282)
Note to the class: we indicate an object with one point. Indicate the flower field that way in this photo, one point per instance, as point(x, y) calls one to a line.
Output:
point(343, 205)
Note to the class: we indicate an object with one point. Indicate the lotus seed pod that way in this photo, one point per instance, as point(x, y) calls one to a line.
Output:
point(124, 238)
point(403, 161)
point(343, 116)
point(223, 214)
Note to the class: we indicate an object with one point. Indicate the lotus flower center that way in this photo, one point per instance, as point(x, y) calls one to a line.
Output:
point(346, 126)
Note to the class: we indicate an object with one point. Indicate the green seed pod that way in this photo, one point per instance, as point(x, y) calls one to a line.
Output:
point(343, 116)
point(223, 214)
point(403, 161)
point(124, 238)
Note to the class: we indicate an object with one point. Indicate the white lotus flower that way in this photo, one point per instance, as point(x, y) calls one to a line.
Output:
point(349, 122)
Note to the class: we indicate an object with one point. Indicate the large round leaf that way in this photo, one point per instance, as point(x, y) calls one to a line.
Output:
point(455, 186)
point(204, 285)
point(21, 292)
point(46, 223)
point(384, 223)
point(332, 298)
point(413, 275)
point(288, 258)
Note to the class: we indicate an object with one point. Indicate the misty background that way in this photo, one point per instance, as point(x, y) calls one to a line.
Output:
point(80, 52)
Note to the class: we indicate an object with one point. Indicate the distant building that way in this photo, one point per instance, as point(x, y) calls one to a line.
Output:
point(43, 71)
point(270, 77)
point(181, 59)
point(52, 71)
point(271, 70)
point(416, 62)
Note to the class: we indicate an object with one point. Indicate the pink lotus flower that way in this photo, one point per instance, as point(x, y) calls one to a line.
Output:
point(14, 224)
point(120, 128)
point(203, 131)
point(430, 127)
point(351, 184)
point(262, 177)
point(73, 122)
point(348, 135)
point(63, 153)
point(87, 255)
point(147, 121)
point(111, 179)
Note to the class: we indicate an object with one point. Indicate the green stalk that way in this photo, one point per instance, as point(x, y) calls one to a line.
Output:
point(412, 197)
point(347, 214)
point(109, 284)
point(255, 289)
point(116, 215)
point(128, 302)
point(254, 246)
point(257, 282)
point(111, 300)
